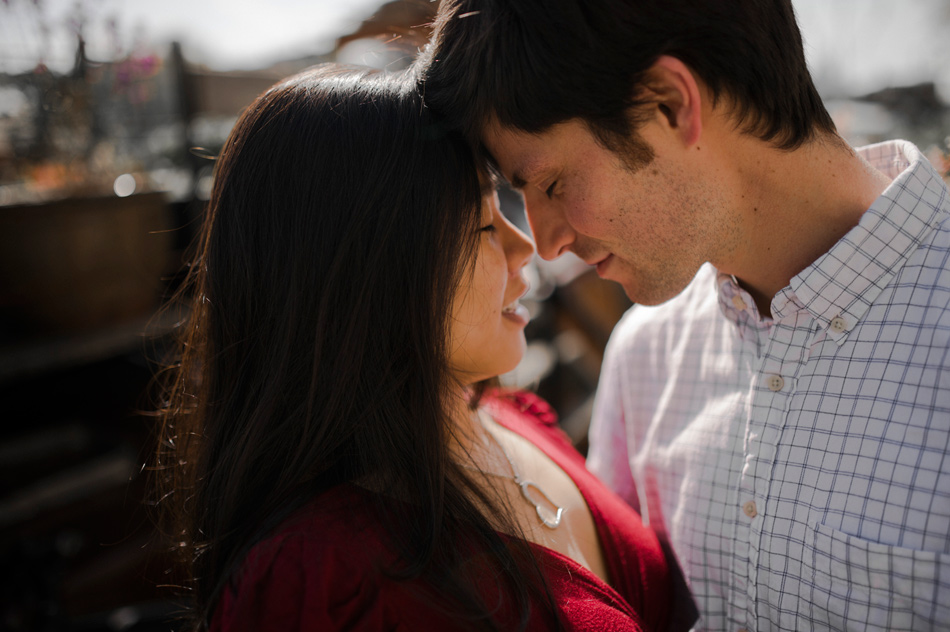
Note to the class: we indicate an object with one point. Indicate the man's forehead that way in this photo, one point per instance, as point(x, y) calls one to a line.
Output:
point(516, 152)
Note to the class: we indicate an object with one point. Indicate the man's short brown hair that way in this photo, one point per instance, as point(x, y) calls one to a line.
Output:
point(530, 64)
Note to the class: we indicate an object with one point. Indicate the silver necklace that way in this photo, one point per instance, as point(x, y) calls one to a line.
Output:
point(553, 519)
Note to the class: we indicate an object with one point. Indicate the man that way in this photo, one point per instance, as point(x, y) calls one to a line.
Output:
point(781, 414)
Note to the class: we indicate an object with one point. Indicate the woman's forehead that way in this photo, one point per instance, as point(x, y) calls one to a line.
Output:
point(486, 183)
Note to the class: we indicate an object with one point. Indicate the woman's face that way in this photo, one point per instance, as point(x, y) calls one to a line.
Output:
point(486, 330)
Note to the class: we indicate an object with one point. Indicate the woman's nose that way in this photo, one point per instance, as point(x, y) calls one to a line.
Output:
point(519, 247)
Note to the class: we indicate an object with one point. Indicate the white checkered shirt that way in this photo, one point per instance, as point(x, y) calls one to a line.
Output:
point(800, 465)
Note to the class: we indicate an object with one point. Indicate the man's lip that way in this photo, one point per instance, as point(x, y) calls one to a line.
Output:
point(602, 265)
point(596, 262)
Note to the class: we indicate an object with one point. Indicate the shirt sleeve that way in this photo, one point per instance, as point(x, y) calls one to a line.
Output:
point(608, 456)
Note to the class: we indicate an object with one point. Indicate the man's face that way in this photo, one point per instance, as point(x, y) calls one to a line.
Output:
point(649, 229)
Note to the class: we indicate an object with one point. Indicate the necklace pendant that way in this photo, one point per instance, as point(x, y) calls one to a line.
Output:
point(553, 519)
point(548, 517)
point(551, 523)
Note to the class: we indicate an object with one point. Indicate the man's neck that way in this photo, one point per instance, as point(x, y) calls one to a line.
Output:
point(796, 205)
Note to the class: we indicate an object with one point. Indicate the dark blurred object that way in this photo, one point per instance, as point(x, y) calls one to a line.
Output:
point(82, 263)
point(80, 280)
point(78, 548)
point(920, 100)
point(916, 113)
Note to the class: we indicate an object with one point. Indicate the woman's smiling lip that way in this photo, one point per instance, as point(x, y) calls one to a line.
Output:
point(516, 311)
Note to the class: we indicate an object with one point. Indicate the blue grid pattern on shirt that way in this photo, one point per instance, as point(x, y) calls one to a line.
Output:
point(847, 464)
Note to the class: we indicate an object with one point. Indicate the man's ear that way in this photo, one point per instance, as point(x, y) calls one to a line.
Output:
point(673, 89)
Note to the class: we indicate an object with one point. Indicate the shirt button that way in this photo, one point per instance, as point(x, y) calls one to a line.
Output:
point(749, 509)
point(776, 382)
point(738, 303)
point(838, 324)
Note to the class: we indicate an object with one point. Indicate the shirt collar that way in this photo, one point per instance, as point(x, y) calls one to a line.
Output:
point(839, 287)
point(737, 304)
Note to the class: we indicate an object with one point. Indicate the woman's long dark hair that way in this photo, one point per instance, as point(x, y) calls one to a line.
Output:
point(341, 220)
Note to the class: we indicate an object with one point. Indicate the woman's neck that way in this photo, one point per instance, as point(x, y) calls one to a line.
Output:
point(464, 429)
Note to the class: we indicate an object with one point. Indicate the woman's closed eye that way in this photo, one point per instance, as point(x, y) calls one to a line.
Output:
point(550, 190)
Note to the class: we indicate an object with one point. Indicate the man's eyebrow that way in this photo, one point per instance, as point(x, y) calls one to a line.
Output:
point(525, 172)
point(517, 180)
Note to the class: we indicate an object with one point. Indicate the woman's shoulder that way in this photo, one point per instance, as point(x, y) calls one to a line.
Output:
point(340, 516)
point(319, 570)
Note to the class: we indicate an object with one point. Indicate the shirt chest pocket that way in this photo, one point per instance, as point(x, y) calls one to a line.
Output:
point(862, 585)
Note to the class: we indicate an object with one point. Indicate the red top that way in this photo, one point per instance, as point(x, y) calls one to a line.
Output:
point(320, 571)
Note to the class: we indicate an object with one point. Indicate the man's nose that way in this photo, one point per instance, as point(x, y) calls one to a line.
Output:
point(552, 234)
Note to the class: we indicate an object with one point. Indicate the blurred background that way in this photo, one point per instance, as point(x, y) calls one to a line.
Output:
point(109, 110)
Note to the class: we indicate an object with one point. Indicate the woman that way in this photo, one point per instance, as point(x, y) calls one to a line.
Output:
point(336, 465)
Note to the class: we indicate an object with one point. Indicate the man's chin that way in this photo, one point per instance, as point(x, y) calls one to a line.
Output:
point(651, 294)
